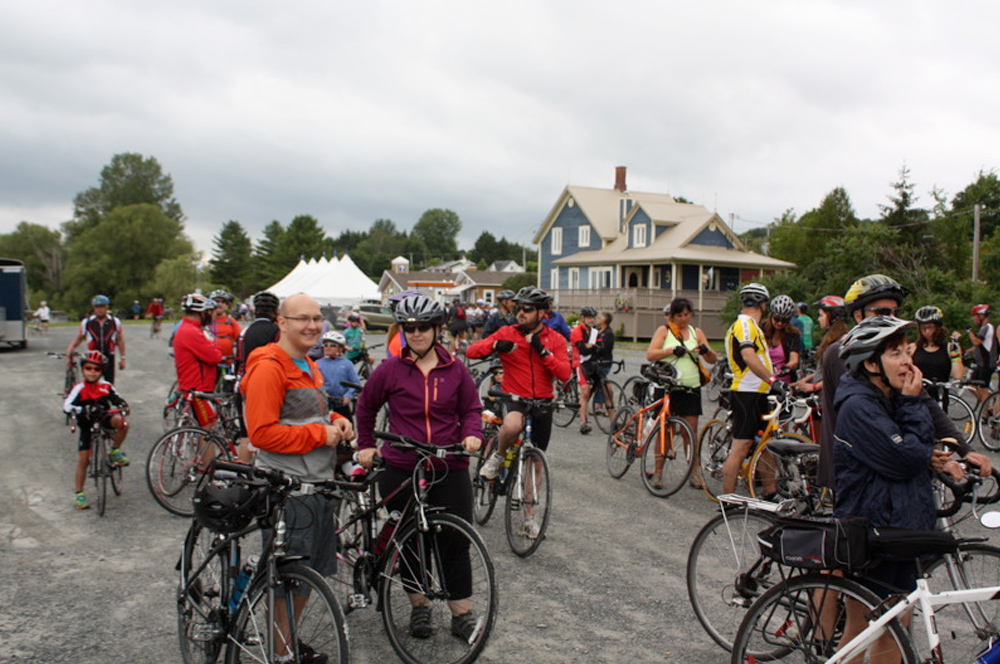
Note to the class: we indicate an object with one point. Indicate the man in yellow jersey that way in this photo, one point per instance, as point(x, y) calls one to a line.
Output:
point(746, 350)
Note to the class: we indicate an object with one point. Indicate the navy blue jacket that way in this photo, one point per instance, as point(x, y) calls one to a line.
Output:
point(882, 454)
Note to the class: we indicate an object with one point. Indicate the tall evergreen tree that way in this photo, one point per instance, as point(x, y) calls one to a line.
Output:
point(231, 259)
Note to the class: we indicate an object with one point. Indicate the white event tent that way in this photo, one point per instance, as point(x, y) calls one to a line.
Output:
point(331, 282)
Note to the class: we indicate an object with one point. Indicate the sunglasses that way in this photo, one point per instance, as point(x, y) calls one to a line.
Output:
point(331, 345)
point(410, 328)
point(778, 319)
point(882, 311)
point(527, 308)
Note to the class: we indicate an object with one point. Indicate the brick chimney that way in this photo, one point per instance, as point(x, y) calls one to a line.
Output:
point(620, 179)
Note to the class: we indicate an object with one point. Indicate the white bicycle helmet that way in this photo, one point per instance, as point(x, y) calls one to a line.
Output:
point(197, 303)
point(335, 337)
point(783, 307)
point(863, 342)
point(754, 294)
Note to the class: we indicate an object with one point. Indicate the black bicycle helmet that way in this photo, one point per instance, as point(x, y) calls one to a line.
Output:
point(864, 341)
point(224, 509)
point(265, 302)
point(803, 307)
point(929, 314)
point(505, 294)
point(587, 311)
point(661, 373)
point(221, 294)
point(783, 307)
point(419, 309)
point(754, 294)
point(533, 296)
point(197, 303)
point(871, 288)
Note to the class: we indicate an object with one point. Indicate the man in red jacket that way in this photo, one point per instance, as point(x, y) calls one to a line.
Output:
point(533, 355)
point(197, 356)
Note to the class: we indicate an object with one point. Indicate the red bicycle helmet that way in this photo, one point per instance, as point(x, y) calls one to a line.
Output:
point(94, 357)
point(981, 310)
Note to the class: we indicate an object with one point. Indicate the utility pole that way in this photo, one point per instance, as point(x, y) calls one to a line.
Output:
point(975, 243)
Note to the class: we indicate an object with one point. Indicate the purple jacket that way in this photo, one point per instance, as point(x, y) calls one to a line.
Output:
point(442, 407)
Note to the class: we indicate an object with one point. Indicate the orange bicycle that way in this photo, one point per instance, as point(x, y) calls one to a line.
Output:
point(647, 430)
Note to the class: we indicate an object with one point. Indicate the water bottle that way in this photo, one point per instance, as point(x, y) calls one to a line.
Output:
point(241, 582)
point(388, 528)
point(991, 655)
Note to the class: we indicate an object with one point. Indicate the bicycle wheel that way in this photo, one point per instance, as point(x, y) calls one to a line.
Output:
point(448, 561)
point(787, 622)
point(970, 627)
point(621, 445)
point(714, 386)
point(788, 480)
point(529, 498)
point(962, 415)
point(484, 492)
point(602, 404)
point(176, 466)
point(726, 573)
point(200, 612)
point(666, 469)
point(115, 473)
point(317, 629)
point(567, 403)
point(713, 449)
point(176, 411)
point(483, 385)
point(989, 422)
point(99, 468)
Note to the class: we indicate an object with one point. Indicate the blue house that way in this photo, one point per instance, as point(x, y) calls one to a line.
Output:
point(639, 251)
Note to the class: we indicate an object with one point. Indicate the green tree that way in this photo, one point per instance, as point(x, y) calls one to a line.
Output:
point(40, 249)
point(119, 254)
point(231, 259)
point(130, 179)
point(438, 229)
point(304, 238)
point(986, 192)
point(174, 278)
point(520, 280)
point(269, 262)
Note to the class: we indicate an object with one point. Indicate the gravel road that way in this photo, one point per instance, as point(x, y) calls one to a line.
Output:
point(606, 586)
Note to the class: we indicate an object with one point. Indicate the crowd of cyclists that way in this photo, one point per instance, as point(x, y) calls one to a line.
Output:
point(306, 411)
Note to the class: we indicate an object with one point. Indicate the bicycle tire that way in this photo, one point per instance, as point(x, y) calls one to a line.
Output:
point(532, 468)
point(714, 444)
point(484, 492)
point(200, 612)
point(725, 571)
point(678, 461)
point(781, 624)
point(99, 467)
point(567, 403)
point(483, 385)
point(175, 466)
point(713, 389)
point(627, 396)
point(69, 381)
point(320, 624)
point(599, 412)
point(788, 481)
point(977, 565)
point(961, 415)
point(115, 472)
point(620, 453)
point(406, 572)
point(988, 429)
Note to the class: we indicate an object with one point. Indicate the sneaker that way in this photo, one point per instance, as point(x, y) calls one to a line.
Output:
point(694, 481)
point(531, 527)
point(656, 481)
point(491, 469)
point(774, 497)
point(81, 501)
point(466, 627)
point(420, 622)
point(118, 457)
point(585, 429)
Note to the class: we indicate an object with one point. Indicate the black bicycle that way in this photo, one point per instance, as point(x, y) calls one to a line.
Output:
point(254, 608)
point(419, 556)
point(103, 469)
point(71, 378)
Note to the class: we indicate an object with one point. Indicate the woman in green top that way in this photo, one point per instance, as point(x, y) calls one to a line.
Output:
point(681, 344)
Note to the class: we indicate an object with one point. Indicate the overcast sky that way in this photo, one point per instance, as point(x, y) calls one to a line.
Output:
point(356, 111)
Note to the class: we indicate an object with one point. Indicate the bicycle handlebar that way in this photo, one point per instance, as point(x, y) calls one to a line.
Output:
point(426, 449)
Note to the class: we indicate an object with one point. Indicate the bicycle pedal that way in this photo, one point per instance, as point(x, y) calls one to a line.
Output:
point(206, 632)
point(358, 601)
point(515, 506)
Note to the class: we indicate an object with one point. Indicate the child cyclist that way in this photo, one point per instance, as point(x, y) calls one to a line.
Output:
point(90, 399)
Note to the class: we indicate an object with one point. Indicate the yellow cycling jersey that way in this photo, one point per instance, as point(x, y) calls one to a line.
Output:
point(745, 333)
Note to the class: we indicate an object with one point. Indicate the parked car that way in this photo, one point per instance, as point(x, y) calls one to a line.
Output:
point(377, 317)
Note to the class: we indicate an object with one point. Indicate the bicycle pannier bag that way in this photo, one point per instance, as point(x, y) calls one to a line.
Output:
point(817, 543)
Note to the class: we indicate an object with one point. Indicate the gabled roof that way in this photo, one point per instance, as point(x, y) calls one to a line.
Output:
point(402, 280)
point(482, 277)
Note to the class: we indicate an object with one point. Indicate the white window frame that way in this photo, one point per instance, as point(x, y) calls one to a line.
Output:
point(583, 237)
point(598, 274)
point(488, 296)
point(556, 244)
point(573, 278)
point(639, 236)
point(554, 278)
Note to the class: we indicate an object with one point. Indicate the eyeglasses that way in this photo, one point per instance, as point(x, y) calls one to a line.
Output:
point(317, 320)
point(778, 319)
point(410, 328)
point(527, 308)
point(883, 311)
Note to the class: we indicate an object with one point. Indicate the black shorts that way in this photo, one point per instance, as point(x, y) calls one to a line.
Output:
point(311, 524)
point(541, 422)
point(686, 403)
point(890, 577)
point(748, 409)
point(983, 373)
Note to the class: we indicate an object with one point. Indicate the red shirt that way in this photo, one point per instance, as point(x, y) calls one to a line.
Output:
point(196, 357)
point(227, 331)
point(525, 372)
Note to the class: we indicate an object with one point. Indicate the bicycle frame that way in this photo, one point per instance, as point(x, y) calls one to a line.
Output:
point(663, 404)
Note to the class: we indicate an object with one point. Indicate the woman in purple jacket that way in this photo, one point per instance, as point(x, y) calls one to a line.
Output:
point(433, 399)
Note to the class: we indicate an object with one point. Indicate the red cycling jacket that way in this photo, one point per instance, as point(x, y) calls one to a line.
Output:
point(525, 372)
point(196, 358)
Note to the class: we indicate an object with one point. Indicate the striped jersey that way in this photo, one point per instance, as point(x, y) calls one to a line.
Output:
point(745, 333)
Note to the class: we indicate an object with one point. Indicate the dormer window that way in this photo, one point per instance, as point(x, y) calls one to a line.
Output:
point(583, 239)
point(639, 235)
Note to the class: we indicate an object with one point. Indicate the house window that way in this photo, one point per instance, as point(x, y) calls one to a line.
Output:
point(574, 278)
point(657, 278)
point(556, 241)
point(488, 296)
point(584, 237)
point(639, 235)
point(554, 278)
point(599, 277)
